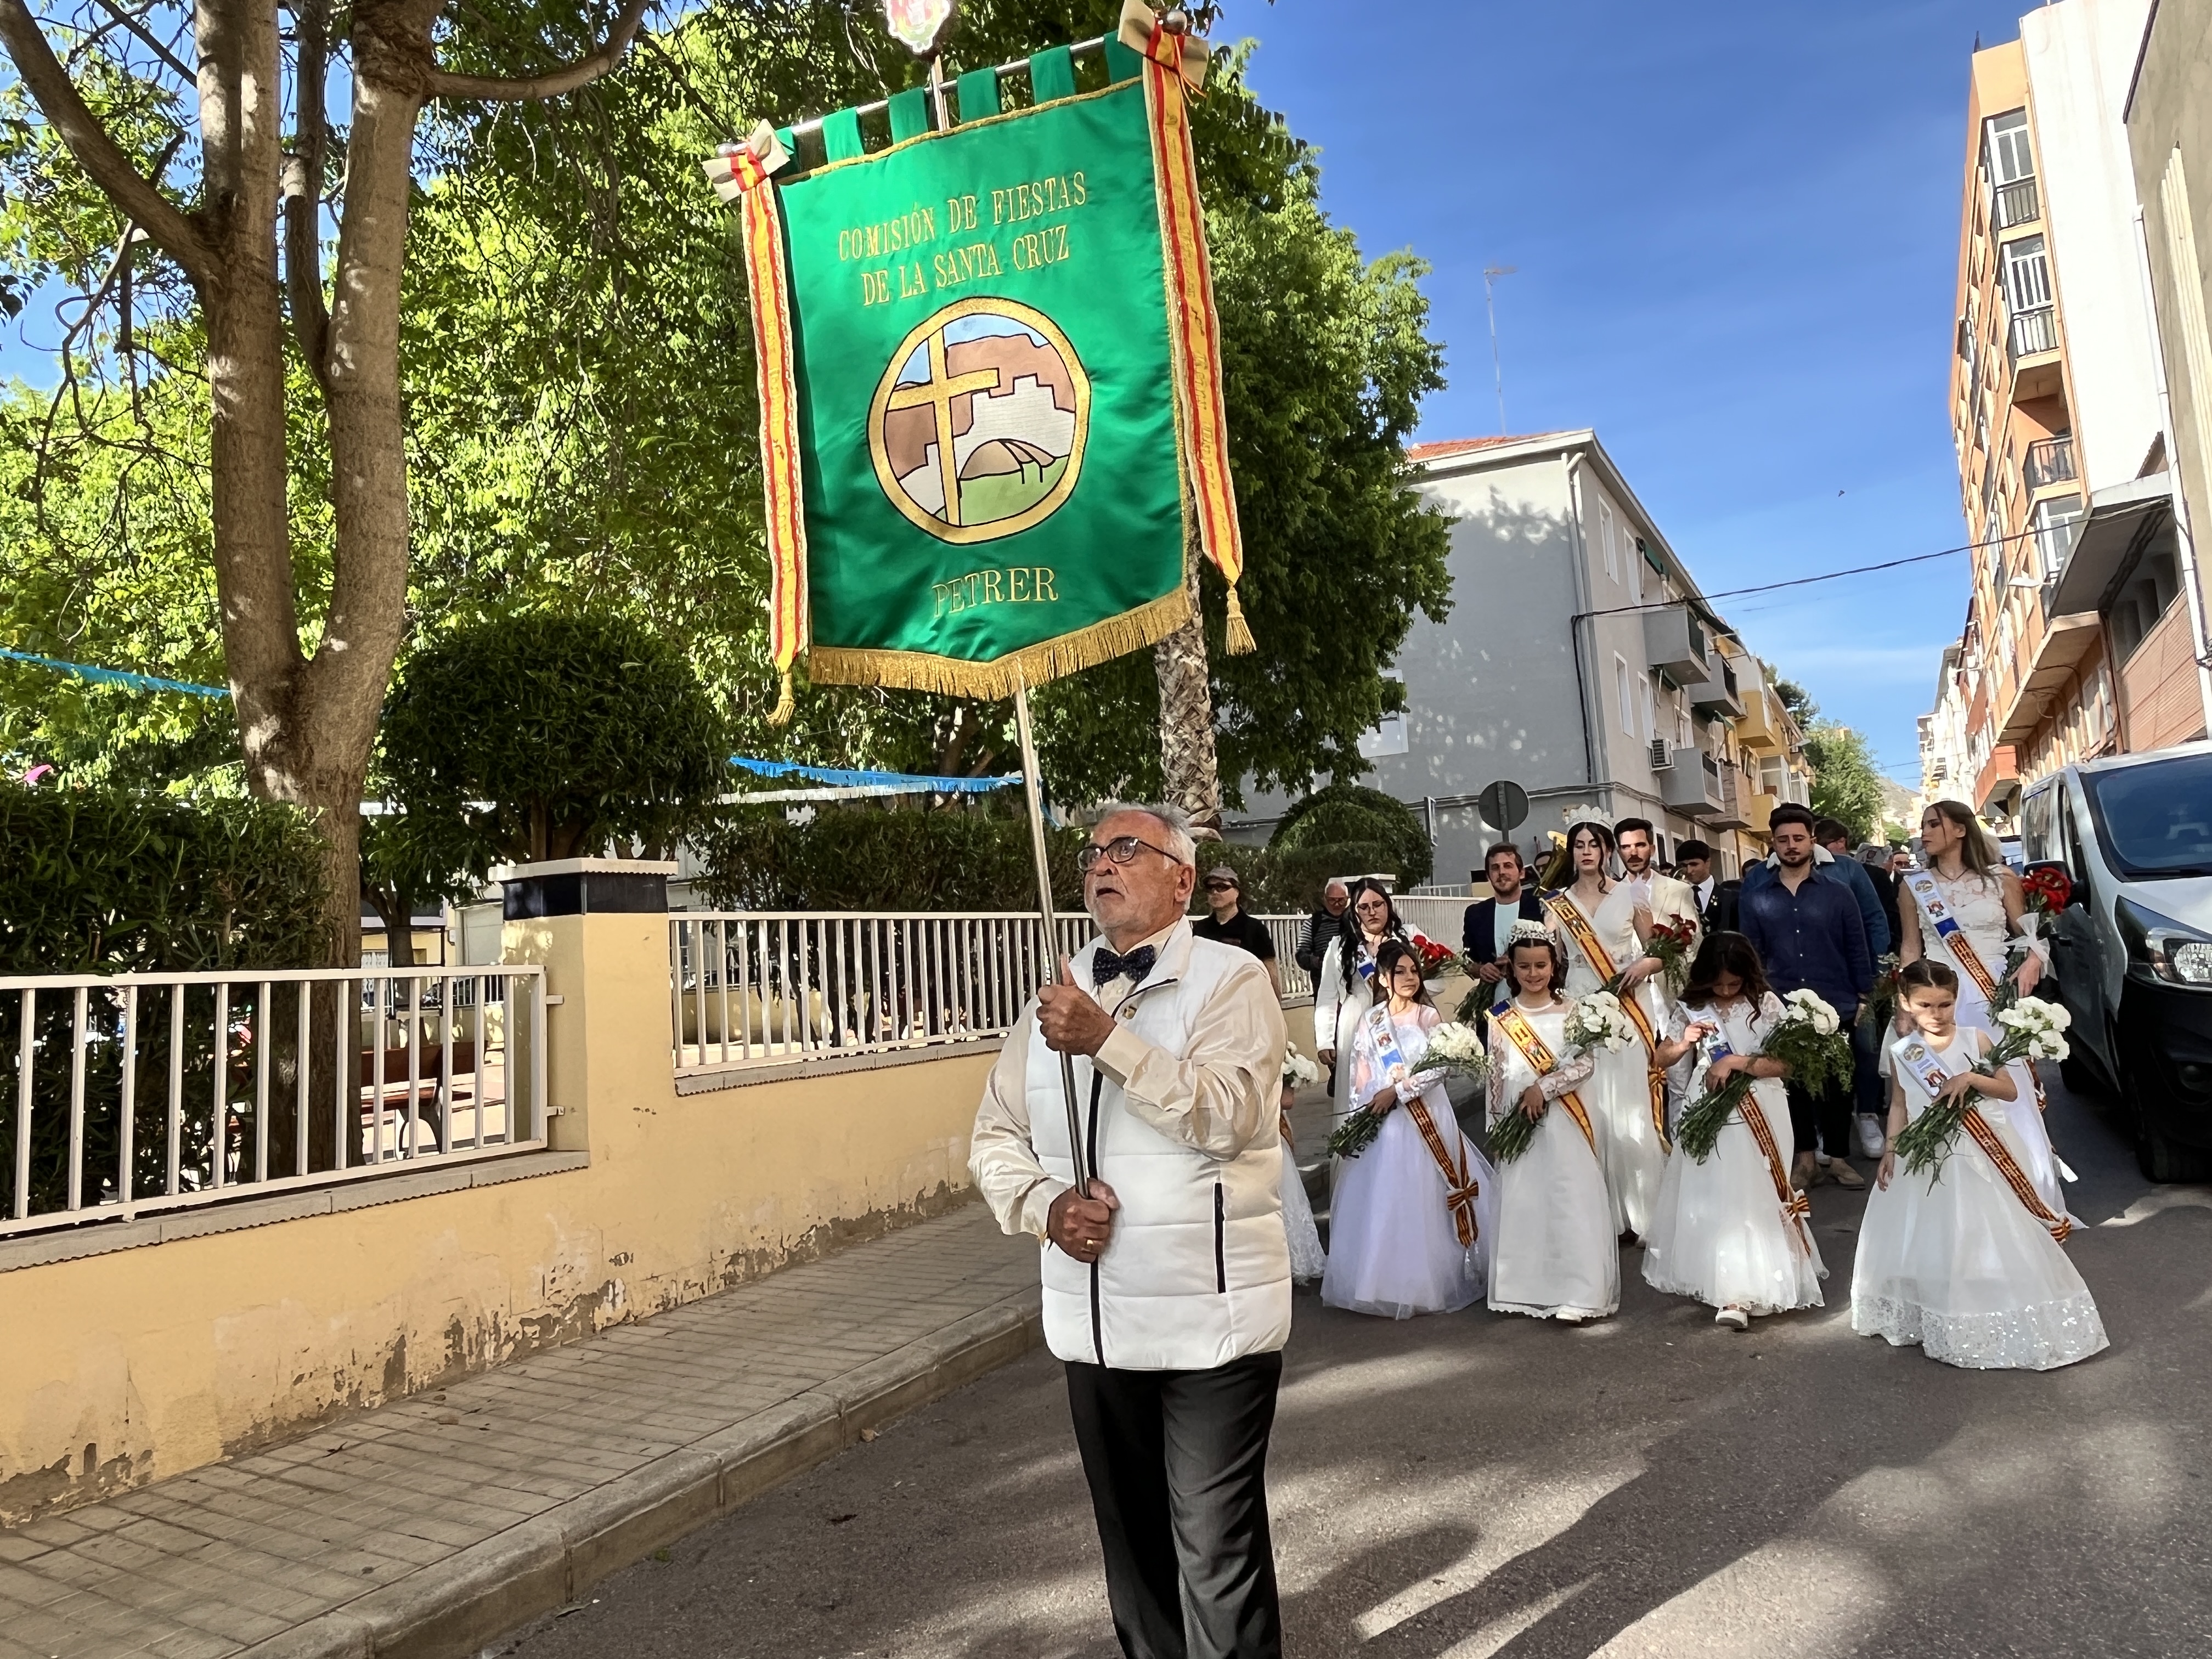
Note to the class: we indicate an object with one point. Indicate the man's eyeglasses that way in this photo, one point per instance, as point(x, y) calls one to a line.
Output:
point(1122, 849)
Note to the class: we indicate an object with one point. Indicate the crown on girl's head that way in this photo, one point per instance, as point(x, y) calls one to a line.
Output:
point(1530, 932)
point(1580, 815)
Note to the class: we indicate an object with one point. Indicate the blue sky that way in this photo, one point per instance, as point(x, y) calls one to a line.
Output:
point(1736, 230)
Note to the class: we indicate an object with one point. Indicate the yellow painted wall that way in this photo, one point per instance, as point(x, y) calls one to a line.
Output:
point(140, 1364)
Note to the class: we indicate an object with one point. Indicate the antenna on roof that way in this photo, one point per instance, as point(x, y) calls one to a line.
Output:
point(1489, 275)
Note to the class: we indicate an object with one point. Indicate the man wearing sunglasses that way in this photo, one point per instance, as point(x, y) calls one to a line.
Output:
point(1229, 925)
point(1167, 1285)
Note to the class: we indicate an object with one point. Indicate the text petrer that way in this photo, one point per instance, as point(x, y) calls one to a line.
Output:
point(1021, 584)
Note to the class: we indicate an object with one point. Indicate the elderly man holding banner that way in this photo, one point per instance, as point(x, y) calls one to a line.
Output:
point(1167, 1288)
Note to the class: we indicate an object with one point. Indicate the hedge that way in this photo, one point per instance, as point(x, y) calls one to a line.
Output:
point(108, 881)
point(863, 858)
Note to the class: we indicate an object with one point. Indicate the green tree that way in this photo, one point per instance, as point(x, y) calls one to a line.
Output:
point(1846, 786)
point(549, 737)
point(204, 130)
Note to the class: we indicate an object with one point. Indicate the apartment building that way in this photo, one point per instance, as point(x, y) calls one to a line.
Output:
point(2056, 418)
point(2169, 128)
point(1580, 661)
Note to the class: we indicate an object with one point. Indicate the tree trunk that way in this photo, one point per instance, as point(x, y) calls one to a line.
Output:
point(1188, 775)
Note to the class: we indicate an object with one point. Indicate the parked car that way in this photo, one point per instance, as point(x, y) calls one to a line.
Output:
point(2132, 952)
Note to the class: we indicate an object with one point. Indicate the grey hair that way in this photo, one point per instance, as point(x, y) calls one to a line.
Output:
point(1180, 845)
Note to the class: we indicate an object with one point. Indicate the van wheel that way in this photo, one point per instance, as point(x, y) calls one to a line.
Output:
point(2163, 1160)
point(2160, 1157)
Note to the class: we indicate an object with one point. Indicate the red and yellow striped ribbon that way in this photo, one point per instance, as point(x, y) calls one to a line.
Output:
point(1193, 326)
point(1541, 1060)
point(1572, 918)
point(1985, 1135)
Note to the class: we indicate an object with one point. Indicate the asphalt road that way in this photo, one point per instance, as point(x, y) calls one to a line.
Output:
point(1475, 1484)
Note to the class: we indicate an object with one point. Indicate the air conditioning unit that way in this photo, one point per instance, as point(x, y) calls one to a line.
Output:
point(1661, 757)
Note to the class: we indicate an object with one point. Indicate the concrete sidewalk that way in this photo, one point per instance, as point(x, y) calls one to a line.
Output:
point(430, 1526)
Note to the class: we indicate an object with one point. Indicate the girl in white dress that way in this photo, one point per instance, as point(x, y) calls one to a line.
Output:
point(1731, 1232)
point(1344, 989)
point(1614, 926)
point(1967, 878)
point(1404, 1237)
point(1556, 1254)
point(1966, 1264)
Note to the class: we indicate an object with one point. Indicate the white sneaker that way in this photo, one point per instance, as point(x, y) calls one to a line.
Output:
point(1872, 1140)
point(1734, 1318)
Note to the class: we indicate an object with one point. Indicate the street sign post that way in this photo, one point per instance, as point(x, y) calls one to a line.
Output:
point(1504, 806)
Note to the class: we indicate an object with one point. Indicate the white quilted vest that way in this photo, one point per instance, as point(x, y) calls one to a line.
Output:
point(1198, 1270)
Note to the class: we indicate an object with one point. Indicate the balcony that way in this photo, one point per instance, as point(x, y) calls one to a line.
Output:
point(1692, 784)
point(1674, 644)
point(1757, 727)
point(1731, 814)
point(2050, 461)
point(2016, 203)
point(2033, 332)
point(1758, 810)
point(1717, 693)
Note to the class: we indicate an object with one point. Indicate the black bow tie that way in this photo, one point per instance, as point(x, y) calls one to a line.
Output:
point(1106, 967)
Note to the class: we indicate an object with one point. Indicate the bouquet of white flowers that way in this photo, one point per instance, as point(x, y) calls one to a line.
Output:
point(2032, 1030)
point(1808, 1038)
point(1598, 1021)
point(1457, 1050)
point(1298, 1072)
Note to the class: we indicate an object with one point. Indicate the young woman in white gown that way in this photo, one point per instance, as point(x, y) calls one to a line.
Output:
point(1620, 1095)
point(1967, 1264)
point(1970, 881)
point(1344, 989)
point(1404, 1237)
point(1731, 1232)
point(1556, 1254)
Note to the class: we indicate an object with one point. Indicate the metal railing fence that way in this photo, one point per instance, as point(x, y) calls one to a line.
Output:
point(140, 1092)
point(751, 987)
point(2033, 331)
point(2016, 203)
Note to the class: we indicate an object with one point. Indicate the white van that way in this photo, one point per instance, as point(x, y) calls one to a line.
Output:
point(2132, 952)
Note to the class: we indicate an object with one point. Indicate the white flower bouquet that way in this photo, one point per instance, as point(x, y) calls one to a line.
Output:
point(1457, 1050)
point(2030, 1029)
point(1808, 1038)
point(1298, 1072)
point(1598, 1021)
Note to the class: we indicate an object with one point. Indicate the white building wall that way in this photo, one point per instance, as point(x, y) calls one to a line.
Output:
point(2080, 55)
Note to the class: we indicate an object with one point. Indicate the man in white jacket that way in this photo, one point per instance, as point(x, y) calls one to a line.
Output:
point(1167, 1289)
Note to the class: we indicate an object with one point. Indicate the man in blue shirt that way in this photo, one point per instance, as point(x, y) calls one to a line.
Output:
point(1807, 929)
point(1849, 871)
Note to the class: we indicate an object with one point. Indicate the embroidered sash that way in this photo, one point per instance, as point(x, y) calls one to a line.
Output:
point(1795, 1206)
point(1923, 1063)
point(1542, 1061)
point(1936, 915)
point(1570, 916)
point(1461, 1187)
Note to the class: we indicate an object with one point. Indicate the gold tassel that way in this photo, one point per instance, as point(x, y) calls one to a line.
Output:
point(785, 705)
point(1240, 642)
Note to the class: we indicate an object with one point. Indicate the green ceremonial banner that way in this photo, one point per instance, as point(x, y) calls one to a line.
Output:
point(985, 414)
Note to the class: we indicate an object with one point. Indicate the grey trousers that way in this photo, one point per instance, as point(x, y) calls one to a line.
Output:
point(1177, 1464)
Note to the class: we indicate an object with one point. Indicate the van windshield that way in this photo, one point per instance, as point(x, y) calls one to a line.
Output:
point(2155, 820)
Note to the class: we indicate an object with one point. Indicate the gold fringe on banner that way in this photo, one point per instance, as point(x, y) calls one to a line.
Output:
point(1033, 666)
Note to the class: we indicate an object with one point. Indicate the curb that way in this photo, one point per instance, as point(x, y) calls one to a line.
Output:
point(453, 1609)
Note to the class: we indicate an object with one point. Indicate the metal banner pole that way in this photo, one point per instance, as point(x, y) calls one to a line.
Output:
point(1033, 793)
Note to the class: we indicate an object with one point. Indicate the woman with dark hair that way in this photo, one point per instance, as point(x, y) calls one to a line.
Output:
point(1344, 991)
point(1605, 925)
point(1967, 911)
point(1409, 1233)
point(1556, 1255)
point(1731, 1231)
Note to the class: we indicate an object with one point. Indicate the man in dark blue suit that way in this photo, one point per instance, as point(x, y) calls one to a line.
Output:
point(1490, 921)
